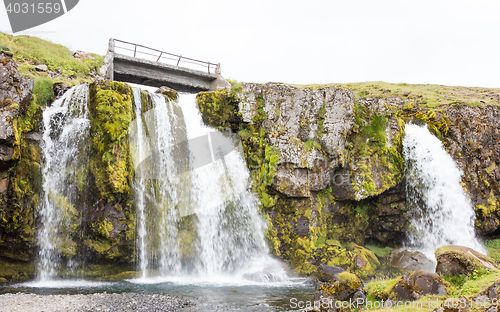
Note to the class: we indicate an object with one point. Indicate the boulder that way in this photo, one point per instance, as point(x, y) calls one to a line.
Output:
point(413, 285)
point(458, 260)
point(80, 55)
point(410, 260)
point(490, 292)
point(168, 92)
point(41, 67)
point(346, 287)
point(329, 273)
point(14, 89)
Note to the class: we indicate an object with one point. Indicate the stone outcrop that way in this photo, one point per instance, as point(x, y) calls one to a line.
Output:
point(344, 287)
point(473, 141)
point(19, 164)
point(413, 285)
point(410, 260)
point(457, 260)
point(327, 166)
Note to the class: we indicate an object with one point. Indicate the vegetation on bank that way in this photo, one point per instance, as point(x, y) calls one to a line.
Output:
point(429, 95)
point(28, 51)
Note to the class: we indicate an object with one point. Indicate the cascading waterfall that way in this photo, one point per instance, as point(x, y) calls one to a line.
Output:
point(443, 212)
point(64, 172)
point(196, 214)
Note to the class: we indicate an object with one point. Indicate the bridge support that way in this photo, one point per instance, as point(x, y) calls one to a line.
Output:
point(120, 67)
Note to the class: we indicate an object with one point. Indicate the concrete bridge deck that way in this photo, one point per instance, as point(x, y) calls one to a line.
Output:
point(157, 72)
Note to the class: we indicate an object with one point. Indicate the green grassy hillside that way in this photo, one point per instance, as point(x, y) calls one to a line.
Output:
point(30, 51)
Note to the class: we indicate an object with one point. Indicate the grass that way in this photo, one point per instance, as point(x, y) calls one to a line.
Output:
point(44, 94)
point(29, 51)
point(379, 251)
point(428, 94)
point(380, 289)
point(470, 285)
point(493, 248)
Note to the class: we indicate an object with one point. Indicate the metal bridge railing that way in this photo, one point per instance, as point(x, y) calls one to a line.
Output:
point(158, 56)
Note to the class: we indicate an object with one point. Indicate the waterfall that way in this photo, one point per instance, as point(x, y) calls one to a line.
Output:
point(64, 172)
point(443, 213)
point(196, 213)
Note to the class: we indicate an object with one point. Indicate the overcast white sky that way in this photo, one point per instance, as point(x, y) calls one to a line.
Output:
point(450, 42)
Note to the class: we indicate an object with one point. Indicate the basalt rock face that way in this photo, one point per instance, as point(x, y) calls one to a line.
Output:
point(19, 161)
point(328, 166)
point(474, 143)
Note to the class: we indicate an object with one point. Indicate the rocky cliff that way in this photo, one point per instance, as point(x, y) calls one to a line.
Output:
point(329, 170)
point(327, 166)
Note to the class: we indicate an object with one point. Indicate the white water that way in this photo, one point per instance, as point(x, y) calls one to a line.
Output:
point(203, 223)
point(444, 213)
point(66, 128)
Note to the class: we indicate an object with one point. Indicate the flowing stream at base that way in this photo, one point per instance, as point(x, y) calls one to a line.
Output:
point(197, 218)
point(443, 212)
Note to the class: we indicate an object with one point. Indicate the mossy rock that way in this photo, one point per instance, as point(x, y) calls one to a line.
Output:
point(121, 276)
point(460, 260)
point(16, 270)
point(6, 51)
point(415, 284)
point(346, 286)
point(356, 259)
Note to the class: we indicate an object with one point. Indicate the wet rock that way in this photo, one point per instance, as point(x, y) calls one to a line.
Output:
point(413, 285)
point(164, 89)
point(60, 88)
point(410, 260)
point(458, 260)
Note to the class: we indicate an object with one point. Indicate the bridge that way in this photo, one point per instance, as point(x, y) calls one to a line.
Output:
point(142, 65)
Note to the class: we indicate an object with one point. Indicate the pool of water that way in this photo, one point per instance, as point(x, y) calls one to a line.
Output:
point(210, 295)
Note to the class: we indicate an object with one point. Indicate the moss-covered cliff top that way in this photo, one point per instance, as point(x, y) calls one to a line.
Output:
point(430, 94)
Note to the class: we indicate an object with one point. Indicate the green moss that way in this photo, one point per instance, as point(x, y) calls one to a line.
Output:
point(381, 289)
point(376, 164)
point(379, 251)
point(111, 114)
point(218, 107)
point(493, 248)
point(121, 276)
point(25, 181)
point(16, 270)
point(104, 228)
